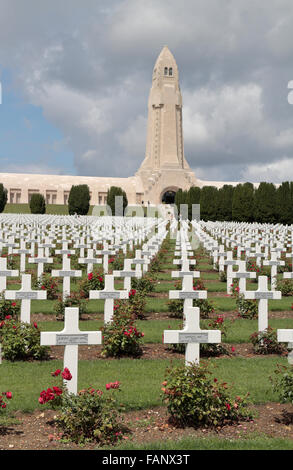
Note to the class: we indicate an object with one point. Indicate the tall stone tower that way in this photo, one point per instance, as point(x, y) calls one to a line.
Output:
point(165, 169)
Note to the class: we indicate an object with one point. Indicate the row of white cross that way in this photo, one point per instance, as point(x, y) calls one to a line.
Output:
point(262, 294)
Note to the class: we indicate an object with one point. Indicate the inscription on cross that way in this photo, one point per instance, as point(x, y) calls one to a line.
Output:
point(192, 335)
point(263, 294)
point(71, 337)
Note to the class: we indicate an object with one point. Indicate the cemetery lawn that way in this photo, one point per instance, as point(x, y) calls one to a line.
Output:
point(28, 425)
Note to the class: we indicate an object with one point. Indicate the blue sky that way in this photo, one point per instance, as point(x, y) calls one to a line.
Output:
point(28, 140)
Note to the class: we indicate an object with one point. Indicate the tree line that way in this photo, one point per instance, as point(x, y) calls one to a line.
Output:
point(243, 203)
point(78, 200)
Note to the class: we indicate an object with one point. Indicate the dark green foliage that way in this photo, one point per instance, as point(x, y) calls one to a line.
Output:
point(284, 210)
point(193, 199)
point(209, 203)
point(3, 197)
point(111, 195)
point(243, 203)
point(79, 200)
point(225, 199)
point(37, 204)
point(265, 203)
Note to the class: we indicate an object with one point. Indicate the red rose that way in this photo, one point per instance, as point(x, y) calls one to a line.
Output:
point(66, 374)
point(8, 395)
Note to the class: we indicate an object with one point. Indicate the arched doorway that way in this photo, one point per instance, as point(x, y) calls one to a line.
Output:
point(168, 197)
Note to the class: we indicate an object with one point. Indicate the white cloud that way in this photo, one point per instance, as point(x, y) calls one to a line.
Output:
point(275, 172)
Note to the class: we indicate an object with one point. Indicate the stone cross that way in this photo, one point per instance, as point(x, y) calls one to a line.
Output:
point(71, 337)
point(22, 251)
point(90, 260)
point(185, 271)
point(286, 336)
point(229, 262)
point(183, 259)
point(242, 275)
point(4, 273)
point(188, 293)
point(138, 260)
point(47, 245)
point(66, 273)
point(263, 294)
point(64, 250)
point(26, 295)
point(109, 293)
point(192, 335)
point(40, 260)
point(274, 262)
point(128, 273)
point(105, 252)
point(221, 255)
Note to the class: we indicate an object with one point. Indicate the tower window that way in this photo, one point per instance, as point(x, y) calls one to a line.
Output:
point(166, 71)
point(170, 71)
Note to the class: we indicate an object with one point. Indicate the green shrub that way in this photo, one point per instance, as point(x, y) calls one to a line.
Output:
point(285, 286)
point(194, 398)
point(92, 415)
point(93, 281)
point(72, 300)
point(121, 337)
point(111, 195)
point(265, 342)
point(8, 308)
point(3, 397)
point(145, 284)
point(21, 341)
point(3, 197)
point(79, 200)
point(37, 204)
point(46, 282)
point(283, 383)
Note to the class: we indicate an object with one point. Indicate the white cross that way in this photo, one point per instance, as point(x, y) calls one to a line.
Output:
point(66, 273)
point(258, 254)
point(109, 294)
point(242, 275)
point(25, 294)
point(262, 294)
point(185, 271)
point(22, 251)
point(274, 262)
point(229, 262)
point(47, 245)
point(71, 337)
point(105, 252)
point(138, 260)
point(40, 260)
point(187, 293)
point(286, 336)
point(64, 250)
point(128, 273)
point(90, 260)
point(4, 272)
point(192, 335)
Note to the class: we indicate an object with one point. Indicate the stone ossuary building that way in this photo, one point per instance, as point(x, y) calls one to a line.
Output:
point(163, 171)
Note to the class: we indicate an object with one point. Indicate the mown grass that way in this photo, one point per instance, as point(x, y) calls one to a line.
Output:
point(140, 379)
point(210, 443)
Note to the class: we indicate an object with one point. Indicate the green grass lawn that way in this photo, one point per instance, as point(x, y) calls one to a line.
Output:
point(140, 379)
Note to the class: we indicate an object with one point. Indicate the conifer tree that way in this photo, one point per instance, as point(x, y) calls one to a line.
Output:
point(265, 203)
point(79, 199)
point(3, 197)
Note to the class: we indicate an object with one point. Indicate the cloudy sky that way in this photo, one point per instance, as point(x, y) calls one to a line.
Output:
point(76, 76)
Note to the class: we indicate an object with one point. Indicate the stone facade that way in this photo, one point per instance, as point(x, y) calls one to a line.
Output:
point(163, 169)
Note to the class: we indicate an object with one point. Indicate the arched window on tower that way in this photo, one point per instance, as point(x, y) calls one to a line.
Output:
point(166, 71)
point(170, 71)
